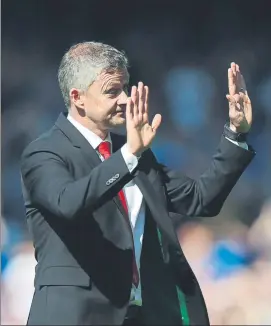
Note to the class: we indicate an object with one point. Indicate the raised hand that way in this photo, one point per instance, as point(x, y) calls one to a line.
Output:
point(240, 108)
point(140, 133)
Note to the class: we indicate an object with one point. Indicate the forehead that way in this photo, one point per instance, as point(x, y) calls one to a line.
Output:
point(113, 77)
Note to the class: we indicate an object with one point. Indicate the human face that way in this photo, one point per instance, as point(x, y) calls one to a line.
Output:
point(104, 103)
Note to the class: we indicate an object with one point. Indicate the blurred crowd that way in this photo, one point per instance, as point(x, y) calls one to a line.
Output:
point(233, 268)
point(184, 61)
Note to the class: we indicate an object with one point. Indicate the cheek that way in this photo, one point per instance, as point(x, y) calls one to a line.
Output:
point(101, 108)
point(109, 107)
point(95, 107)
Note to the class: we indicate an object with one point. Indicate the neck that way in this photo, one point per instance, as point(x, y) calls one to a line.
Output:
point(87, 123)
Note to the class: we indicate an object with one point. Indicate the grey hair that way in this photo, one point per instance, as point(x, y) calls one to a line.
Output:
point(83, 62)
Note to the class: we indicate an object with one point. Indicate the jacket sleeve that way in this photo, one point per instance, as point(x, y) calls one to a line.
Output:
point(50, 186)
point(206, 196)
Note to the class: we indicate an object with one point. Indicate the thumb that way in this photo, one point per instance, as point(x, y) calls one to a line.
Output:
point(156, 122)
point(230, 98)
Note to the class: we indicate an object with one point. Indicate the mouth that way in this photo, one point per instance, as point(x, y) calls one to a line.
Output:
point(119, 113)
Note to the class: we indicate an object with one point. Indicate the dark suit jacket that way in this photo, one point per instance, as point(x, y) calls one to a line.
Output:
point(82, 242)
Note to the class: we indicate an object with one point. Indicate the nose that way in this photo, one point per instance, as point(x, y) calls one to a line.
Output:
point(122, 100)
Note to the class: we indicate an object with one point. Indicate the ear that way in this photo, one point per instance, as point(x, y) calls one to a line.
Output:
point(77, 98)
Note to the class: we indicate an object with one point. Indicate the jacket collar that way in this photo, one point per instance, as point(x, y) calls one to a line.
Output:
point(76, 137)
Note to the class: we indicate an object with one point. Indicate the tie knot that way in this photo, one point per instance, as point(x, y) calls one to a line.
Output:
point(105, 149)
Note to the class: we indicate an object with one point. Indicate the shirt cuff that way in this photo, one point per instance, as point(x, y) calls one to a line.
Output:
point(243, 144)
point(130, 159)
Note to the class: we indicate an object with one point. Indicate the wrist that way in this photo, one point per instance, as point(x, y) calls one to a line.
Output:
point(133, 151)
point(232, 127)
point(242, 128)
point(231, 132)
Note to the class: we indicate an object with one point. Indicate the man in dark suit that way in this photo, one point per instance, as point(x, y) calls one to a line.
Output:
point(101, 209)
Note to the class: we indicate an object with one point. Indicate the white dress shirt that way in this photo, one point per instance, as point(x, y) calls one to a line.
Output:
point(134, 198)
point(135, 204)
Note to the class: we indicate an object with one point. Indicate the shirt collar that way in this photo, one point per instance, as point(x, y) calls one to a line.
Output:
point(90, 136)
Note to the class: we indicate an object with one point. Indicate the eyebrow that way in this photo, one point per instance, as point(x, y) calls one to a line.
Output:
point(113, 86)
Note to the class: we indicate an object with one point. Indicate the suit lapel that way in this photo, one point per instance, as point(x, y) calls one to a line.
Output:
point(120, 207)
point(90, 154)
point(78, 140)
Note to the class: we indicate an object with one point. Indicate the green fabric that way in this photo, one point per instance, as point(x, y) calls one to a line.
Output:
point(181, 296)
point(183, 308)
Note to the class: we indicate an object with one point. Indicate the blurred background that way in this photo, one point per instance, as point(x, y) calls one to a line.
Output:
point(182, 50)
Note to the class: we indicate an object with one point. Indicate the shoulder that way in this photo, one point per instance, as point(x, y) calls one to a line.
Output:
point(50, 141)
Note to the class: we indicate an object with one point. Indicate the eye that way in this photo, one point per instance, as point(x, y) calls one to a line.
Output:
point(113, 91)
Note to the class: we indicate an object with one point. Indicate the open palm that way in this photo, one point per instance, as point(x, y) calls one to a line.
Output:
point(240, 108)
point(140, 133)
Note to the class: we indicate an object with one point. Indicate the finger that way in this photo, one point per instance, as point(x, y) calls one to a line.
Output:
point(243, 99)
point(247, 107)
point(236, 97)
point(241, 81)
point(239, 87)
point(243, 85)
point(233, 67)
point(141, 100)
point(129, 109)
point(246, 103)
point(231, 99)
point(134, 96)
point(156, 122)
point(231, 82)
point(238, 102)
point(247, 100)
point(233, 110)
point(135, 111)
point(242, 96)
point(146, 105)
